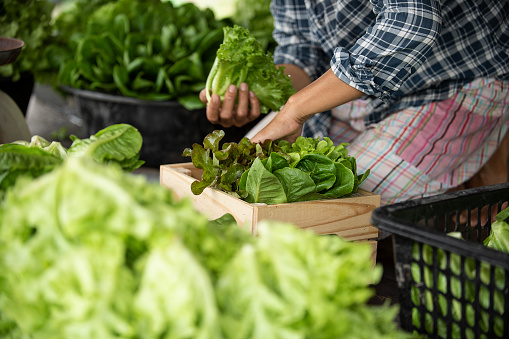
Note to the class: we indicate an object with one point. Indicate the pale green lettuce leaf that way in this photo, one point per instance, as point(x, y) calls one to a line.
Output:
point(176, 297)
point(499, 236)
point(119, 143)
point(74, 247)
point(292, 284)
point(88, 251)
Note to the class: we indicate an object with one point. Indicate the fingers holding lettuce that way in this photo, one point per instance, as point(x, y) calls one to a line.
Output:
point(239, 106)
point(243, 82)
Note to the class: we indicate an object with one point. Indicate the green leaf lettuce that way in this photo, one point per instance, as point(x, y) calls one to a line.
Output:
point(241, 58)
point(89, 251)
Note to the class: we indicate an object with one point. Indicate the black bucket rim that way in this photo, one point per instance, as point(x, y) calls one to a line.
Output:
point(120, 99)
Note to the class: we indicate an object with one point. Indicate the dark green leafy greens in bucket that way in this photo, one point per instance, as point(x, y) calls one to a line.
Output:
point(458, 285)
point(88, 251)
point(146, 49)
point(241, 58)
point(116, 144)
point(275, 172)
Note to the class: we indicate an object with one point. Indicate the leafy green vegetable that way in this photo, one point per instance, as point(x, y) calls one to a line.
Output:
point(256, 17)
point(241, 58)
point(30, 21)
point(97, 255)
point(291, 284)
point(296, 183)
point(18, 160)
point(499, 235)
point(146, 49)
point(458, 283)
point(50, 32)
point(88, 251)
point(116, 144)
point(120, 144)
point(263, 186)
point(275, 172)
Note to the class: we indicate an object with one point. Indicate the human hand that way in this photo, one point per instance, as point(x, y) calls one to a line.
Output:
point(284, 126)
point(234, 110)
point(326, 92)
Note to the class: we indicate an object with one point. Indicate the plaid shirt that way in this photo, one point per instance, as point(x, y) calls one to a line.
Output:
point(400, 53)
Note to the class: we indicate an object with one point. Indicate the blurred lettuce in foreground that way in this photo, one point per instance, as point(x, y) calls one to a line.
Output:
point(89, 251)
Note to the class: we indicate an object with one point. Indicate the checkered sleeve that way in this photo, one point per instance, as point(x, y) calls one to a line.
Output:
point(392, 49)
point(292, 34)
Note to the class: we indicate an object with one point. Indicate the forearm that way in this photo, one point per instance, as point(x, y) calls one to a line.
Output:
point(321, 95)
point(300, 79)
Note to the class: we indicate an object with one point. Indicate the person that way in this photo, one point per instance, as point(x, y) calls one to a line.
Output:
point(418, 88)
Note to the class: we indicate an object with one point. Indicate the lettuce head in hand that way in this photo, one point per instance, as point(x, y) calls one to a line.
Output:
point(241, 58)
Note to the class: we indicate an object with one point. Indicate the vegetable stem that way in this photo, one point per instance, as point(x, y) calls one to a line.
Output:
point(210, 78)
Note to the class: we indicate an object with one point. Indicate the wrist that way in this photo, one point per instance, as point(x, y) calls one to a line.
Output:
point(323, 94)
point(295, 106)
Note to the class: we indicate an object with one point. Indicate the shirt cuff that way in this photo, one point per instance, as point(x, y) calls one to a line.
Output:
point(357, 71)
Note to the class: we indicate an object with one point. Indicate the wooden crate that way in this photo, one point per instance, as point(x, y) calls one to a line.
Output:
point(347, 217)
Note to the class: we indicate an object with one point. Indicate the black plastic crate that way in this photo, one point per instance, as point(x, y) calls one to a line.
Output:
point(449, 287)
